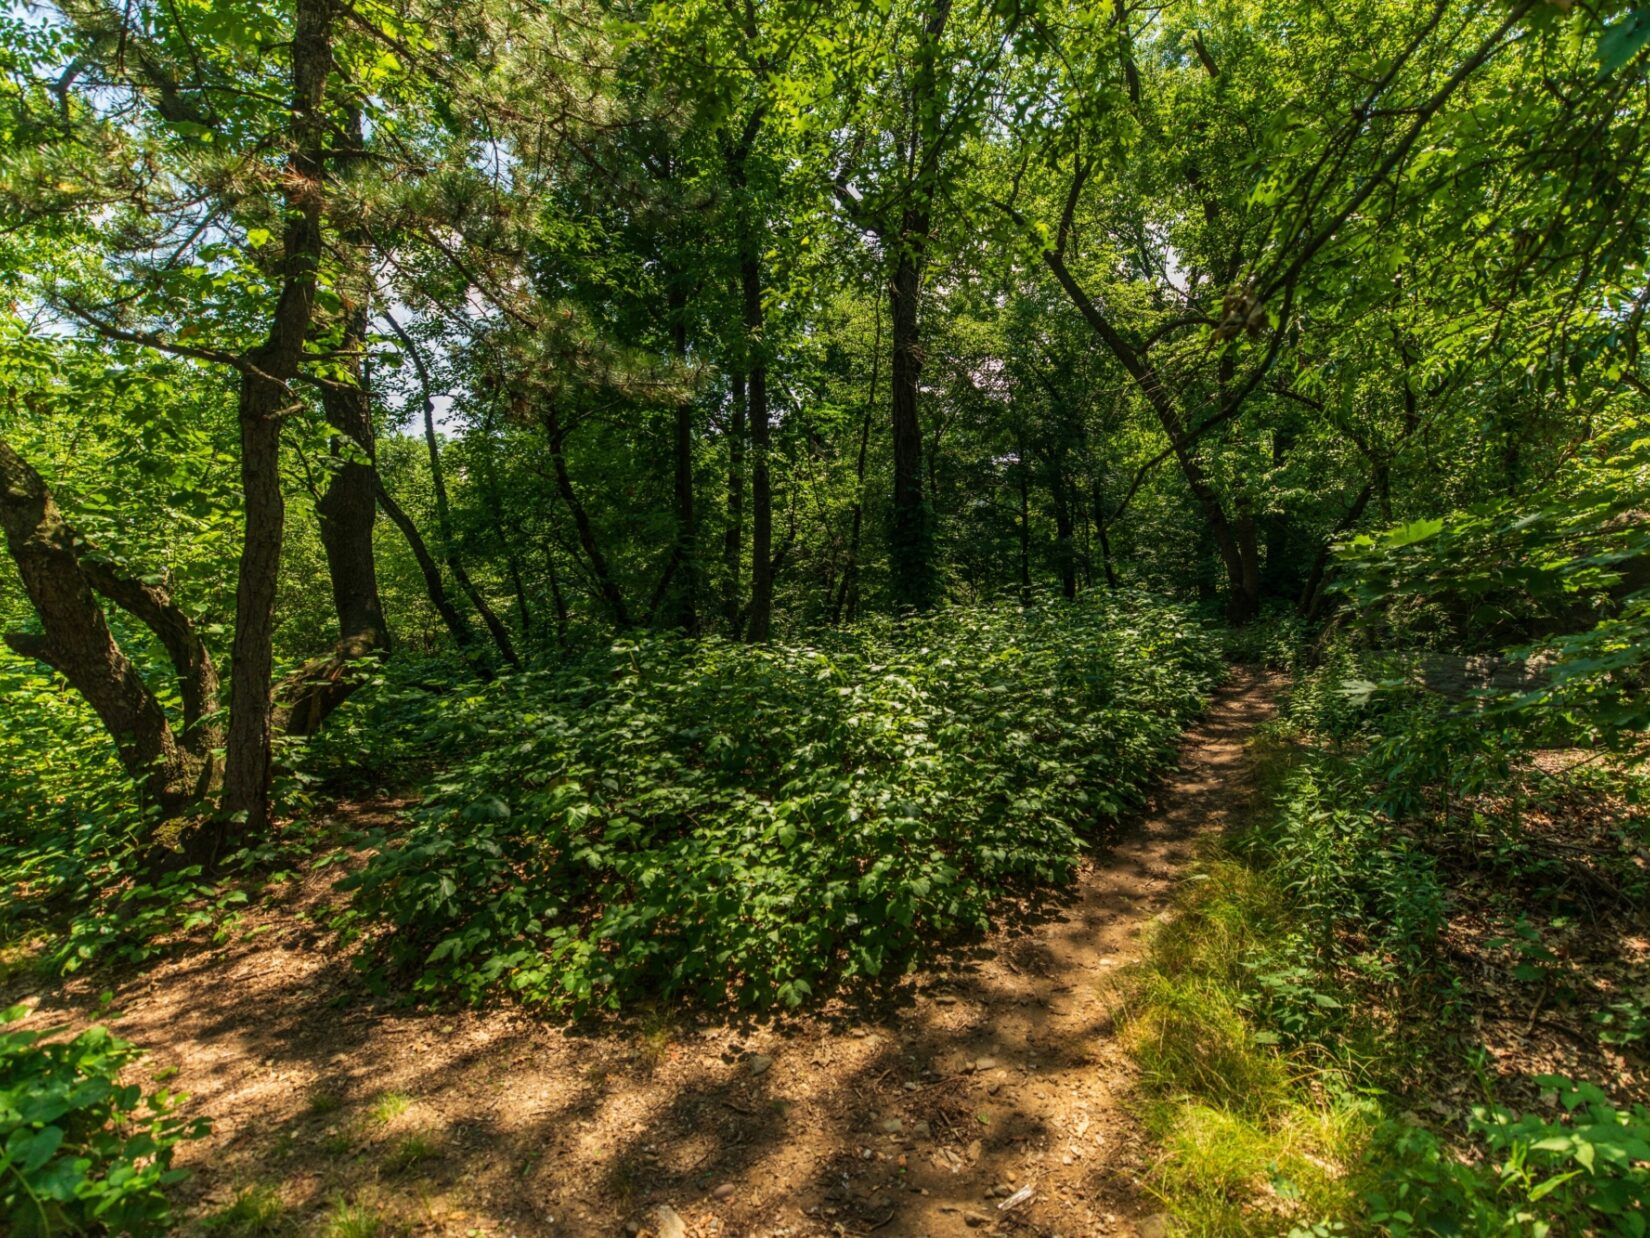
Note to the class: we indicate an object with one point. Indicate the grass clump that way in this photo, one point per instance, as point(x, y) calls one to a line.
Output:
point(409, 1152)
point(352, 1220)
point(388, 1106)
point(257, 1211)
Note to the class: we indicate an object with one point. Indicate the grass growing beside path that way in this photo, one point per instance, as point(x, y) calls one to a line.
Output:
point(1322, 1028)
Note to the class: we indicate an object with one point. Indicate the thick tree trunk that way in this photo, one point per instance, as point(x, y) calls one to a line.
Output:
point(249, 766)
point(59, 575)
point(924, 140)
point(265, 397)
point(349, 507)
point(152, 605)
point(347, 511)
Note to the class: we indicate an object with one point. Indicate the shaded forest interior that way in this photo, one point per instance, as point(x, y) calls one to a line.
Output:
point(663, 520)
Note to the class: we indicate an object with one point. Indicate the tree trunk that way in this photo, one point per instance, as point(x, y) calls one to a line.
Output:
point(733, 550)
point(759, 622)
point(910, 570)
point(557, 599)
point(847, 597)
point(347, 512)
point(1312, 591)
point(606, 585)
point(443, 509)
point(1243, 584)
point(76, 642)
point(264, 399)
point(463, 636)
point(349, 507)
point(1065, 540)
point(1103, 536)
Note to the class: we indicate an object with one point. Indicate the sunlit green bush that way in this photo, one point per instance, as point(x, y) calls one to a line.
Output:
point(80, 1151)
point(747, 823)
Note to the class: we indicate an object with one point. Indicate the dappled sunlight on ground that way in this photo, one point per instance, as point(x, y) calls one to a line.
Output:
point(919, 1109)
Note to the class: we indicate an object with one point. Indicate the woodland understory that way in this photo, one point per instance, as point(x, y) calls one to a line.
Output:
point(904, 617)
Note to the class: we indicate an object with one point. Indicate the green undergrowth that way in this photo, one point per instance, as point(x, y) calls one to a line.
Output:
point(1298, 1020)
point(75, 888)
point(749, 824)
point(82, 1149)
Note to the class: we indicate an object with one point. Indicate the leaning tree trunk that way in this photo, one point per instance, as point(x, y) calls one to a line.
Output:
point(607, 586)
point(443, 511)
point(62, 575)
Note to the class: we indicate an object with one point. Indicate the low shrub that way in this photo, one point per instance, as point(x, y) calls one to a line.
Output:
point(1585, 1173)
point(79, 1149)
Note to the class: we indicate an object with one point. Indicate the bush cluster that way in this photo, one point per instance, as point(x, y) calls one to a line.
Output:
point(79, 1150)
point(745, 824)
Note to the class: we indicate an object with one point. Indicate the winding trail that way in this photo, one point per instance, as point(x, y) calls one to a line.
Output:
point(915, 1115)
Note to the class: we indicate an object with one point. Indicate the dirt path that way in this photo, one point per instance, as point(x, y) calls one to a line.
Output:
point(917, 1116)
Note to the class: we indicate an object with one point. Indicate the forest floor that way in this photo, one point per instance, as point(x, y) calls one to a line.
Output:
point(924, 1110)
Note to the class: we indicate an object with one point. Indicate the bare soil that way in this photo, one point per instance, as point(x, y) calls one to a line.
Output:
point(920, 1111)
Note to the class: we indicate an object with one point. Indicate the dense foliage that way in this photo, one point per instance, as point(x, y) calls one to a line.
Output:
point(80, 1151)
point(812, 443)
point(692, 817)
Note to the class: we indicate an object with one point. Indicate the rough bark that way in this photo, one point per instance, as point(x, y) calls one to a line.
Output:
point(349, 507)
point(75, 639)
point(153, 606)
point(347, 511)
point(265, 396)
